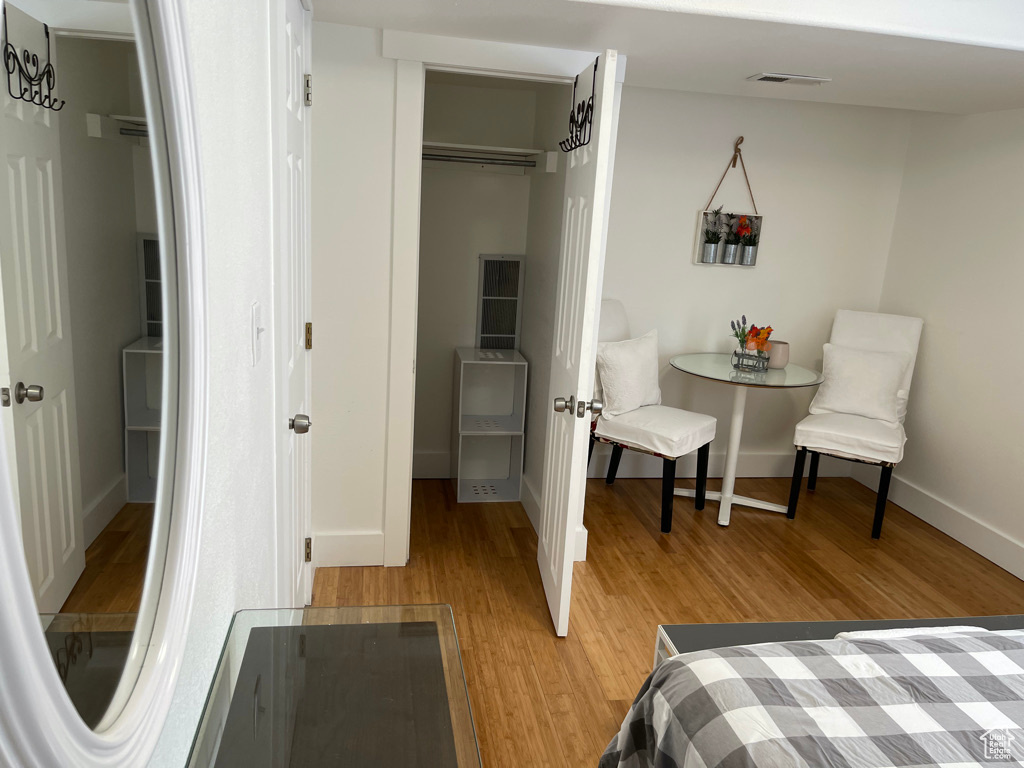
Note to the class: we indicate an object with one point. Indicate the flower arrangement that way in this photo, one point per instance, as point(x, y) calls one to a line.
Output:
point(752, 338)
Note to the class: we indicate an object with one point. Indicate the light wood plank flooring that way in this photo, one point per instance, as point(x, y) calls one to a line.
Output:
point(540, 700)
point(115, 565)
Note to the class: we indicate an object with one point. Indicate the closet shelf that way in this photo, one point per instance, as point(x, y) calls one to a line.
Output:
point(116, 126)
point(482, 150)
point(497, 489)
point(491, 425)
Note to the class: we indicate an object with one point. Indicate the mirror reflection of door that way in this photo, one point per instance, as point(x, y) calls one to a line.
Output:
point(81, 335)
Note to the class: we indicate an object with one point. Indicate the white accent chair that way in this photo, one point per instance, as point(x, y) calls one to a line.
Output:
point(854, 437)
point(657, 430)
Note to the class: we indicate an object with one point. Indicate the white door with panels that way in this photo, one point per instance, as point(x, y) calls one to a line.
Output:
point(574, 350)
point(36, 367)
point(292, 305)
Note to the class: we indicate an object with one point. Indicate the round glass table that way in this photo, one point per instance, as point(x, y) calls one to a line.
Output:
point(718, 367)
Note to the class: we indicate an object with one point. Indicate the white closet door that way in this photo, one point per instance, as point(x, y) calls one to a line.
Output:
point(584, 223)
point(42, 437)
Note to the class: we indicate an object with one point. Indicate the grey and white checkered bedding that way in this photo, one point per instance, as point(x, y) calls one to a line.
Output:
point(949, 699)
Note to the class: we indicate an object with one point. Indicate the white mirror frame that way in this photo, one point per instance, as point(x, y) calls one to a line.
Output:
point(39, 725)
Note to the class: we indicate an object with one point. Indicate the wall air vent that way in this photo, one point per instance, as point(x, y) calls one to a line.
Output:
point(499, 307)
point(780, 77)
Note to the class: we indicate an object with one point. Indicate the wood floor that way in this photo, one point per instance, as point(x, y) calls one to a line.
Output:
point(540, 700)
point(115, 565)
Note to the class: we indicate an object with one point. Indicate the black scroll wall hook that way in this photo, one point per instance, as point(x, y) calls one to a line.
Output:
point(581, 117)
point(28, 79)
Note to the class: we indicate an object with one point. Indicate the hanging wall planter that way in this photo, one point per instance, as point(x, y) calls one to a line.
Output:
point(725, 237)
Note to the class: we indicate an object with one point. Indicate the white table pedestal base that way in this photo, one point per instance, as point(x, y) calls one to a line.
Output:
point(724, 512)
point(726, 497)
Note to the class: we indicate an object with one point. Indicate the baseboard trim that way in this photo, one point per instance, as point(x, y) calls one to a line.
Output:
point(340, 548)
point(749, 464)
point(992, 544)
point(531, 503)
point(98, 513)
point(581, 544)
point(431, 465)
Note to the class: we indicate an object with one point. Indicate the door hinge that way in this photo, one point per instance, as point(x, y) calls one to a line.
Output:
point(308, 82)
point(309, 335)
point(309, 550)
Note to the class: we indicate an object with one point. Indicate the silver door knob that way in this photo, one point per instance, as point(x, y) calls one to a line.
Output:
point(594, 406)
point(562, 405)
point(300, 423)
point(33, 393)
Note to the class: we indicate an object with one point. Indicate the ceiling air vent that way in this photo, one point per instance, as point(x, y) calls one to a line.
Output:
point(780, 77)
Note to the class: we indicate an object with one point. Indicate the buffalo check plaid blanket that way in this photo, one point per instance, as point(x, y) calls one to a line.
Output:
point(861, 700)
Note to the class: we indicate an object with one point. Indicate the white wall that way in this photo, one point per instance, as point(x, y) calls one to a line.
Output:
point(237, 539)
point(490, 111)
point(353, 142)
point(827, 180)
point(145, 191)
point(103, 273)
point(957, 262)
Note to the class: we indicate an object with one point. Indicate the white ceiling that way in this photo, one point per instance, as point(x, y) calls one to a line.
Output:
point(716, 53)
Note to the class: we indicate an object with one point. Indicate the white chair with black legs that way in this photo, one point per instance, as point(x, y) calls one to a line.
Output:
point(858, 412)
point(634, 418)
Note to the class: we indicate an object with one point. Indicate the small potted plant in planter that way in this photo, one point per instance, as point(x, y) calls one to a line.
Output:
point(712, 236)
point(753, 345)
point(733, 235)
point(749, 237)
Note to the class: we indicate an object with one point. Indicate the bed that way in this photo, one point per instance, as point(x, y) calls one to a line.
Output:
point(882, 694)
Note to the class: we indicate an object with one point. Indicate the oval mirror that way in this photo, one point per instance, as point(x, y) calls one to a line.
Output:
point(88, 338)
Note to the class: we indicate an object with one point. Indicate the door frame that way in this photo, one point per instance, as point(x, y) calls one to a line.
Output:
point(288, 550)
point(414, 54)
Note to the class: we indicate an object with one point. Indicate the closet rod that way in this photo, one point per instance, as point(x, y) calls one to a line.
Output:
point(140, 132)
point(479, 160)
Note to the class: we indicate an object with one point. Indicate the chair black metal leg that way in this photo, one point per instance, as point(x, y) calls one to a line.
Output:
point(812, 478)
point(668, 487)
point(883, 496)
point(613, 464)
point(590, 449)
point(798, 478)
point(702, 476)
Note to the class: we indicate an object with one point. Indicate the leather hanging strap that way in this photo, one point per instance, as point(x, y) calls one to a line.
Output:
point(737, 154)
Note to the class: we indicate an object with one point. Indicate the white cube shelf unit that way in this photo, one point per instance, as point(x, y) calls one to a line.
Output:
point(488, 420)
point(142, 363)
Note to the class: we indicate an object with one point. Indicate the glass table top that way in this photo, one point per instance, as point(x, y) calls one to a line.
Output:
point(380, 686)
point(718, 366)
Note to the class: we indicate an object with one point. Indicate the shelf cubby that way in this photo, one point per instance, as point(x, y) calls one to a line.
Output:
point(488, 422)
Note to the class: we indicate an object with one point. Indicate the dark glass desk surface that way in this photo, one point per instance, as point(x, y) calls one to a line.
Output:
point(90, 651)
point(380, 686)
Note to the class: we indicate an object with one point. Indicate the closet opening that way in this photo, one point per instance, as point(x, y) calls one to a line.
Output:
point(490, 231)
